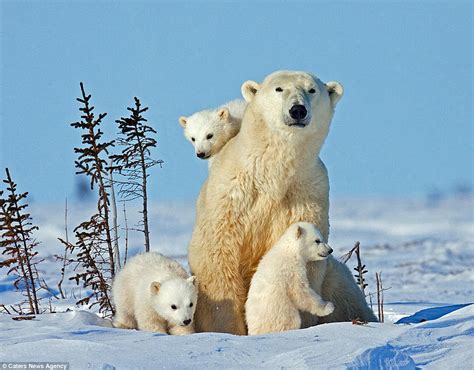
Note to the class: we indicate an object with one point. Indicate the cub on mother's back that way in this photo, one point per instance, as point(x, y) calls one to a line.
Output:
point(154, 293)
point(209, 130)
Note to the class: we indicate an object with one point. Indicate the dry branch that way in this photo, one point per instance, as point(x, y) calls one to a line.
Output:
point(380, 290)
point(114, 218)
point(64, 258)
point(22, 318)
point(360, 268)
point(126, 234)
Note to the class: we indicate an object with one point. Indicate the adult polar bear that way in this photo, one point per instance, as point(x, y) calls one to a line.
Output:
point(265, 179)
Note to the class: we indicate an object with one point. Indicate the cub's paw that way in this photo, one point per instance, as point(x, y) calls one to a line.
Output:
point(182, 330)
point(328, 309)
point(120, 325)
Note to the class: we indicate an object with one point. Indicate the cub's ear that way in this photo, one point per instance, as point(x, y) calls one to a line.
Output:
point(155, 287)
point(299, 232)
point(192, 279)
point(182, 121)
point(335, 91)
point(249, 89)
point(223, 114)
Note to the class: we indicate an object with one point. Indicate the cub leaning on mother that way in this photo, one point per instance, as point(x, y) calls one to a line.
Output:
point(266, 178)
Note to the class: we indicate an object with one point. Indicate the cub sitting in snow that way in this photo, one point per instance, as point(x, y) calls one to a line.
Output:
point(209, 130)
point(280, 287)
point(154, 293)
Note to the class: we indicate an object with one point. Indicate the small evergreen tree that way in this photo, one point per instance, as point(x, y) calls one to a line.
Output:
point(94, 268)
point(135, 160)
point(92, 163)
point(93, 251)
point(18, 244)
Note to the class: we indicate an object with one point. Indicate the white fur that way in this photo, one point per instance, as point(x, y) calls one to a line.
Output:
point(297, 88)
point(145, 290)
point(263, 180)
point(280, 286)
point(221, 123)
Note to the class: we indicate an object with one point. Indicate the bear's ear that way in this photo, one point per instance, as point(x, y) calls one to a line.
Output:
point(192, 279)
point(182, 121)
point(223, 114)
point(299, 232)
point(335, 91)
point(155, 287)
point(249, 89)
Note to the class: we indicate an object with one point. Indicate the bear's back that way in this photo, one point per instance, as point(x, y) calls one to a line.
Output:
point(154, 266)
point(236, 108)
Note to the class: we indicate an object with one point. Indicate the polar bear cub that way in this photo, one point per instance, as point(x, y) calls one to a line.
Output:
point(209, 130)
point(154, 293)
point(280, 286)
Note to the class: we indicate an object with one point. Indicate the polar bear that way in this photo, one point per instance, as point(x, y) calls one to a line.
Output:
point(280, 286)
point(209, 130)
point(154, 293)
point(266, 178)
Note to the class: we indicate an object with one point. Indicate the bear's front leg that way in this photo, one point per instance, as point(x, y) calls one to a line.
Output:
point(316, 272)
point(220, 307)
point(214, 258)
point(148, 320)
point(124, 321)
point(306, 299)
point(309, 301)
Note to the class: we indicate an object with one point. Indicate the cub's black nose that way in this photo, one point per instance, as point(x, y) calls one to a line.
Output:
point(187, 322)
point(298, 112)
point(330, 251)
point(201, 155)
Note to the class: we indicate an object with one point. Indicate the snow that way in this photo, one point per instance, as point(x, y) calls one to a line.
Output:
point(86, 341)
point(425, 251)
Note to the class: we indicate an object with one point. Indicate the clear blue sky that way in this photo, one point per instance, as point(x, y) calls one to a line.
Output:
point(403, 127)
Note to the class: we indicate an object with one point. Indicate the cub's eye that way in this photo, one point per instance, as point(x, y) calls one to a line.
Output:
point(210, 136)
point(173, 306)
point(193, 139)
point(279, 89)
point(318, 241)
point(191, 304)
point(312, 91)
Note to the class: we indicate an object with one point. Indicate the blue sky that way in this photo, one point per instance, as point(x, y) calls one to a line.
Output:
point(403, 127)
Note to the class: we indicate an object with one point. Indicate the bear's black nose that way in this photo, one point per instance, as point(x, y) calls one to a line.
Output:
point(330, 250)
point(187, 322)
point(298, 112)
point(201, 155)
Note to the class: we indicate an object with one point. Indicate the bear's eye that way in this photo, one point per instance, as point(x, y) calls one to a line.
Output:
point(191, 304)
point(173, 306)
point(312, 91)
point(278, 89)
point(210, 136)
point(193, 139)
point(317, 241)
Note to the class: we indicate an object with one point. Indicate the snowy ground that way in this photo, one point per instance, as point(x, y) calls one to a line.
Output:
point(425, 251)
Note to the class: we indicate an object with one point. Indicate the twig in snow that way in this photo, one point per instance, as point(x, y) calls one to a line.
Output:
point(378, 277)
point(360, 268)
point(114, 217)
point(126, 234)
point(64, 258)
